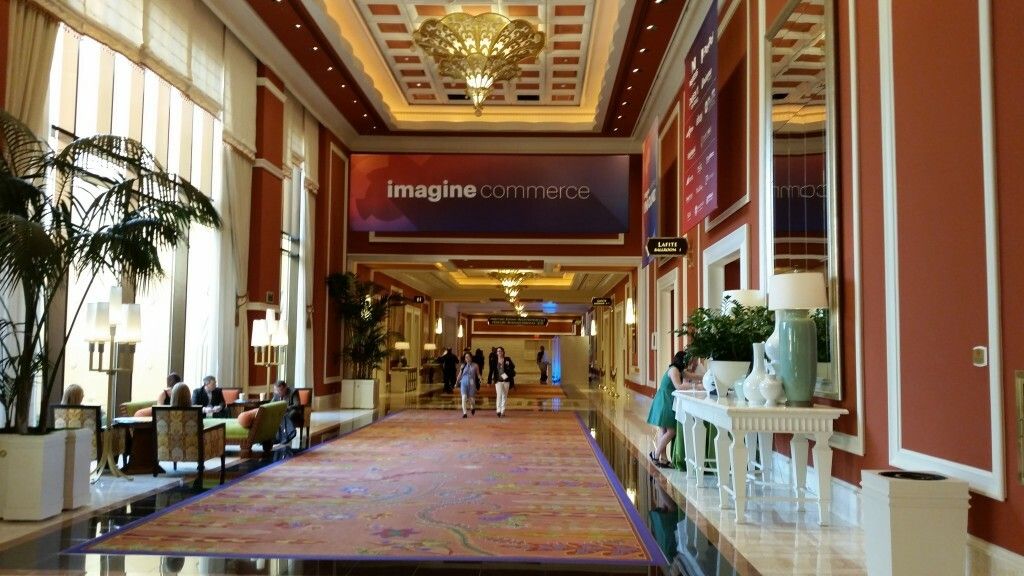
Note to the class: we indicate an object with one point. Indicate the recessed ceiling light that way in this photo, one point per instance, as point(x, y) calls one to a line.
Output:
point(650, 26)
point(354, 102)
point(635, 70)
point(625, 103)
point(364, 115)
point(655, 1)
point(418, 84)
point(315, 48)
point(619, 117)
point(329, 68)
point(344, 85)
point(298, 25)
point(629, 87)
point(642, 50)
point(615, 129)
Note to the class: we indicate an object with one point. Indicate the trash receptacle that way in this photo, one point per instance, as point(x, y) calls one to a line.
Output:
point(914, 523)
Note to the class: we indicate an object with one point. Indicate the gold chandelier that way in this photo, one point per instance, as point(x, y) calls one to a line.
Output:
point(511, 282)
point(481, 49)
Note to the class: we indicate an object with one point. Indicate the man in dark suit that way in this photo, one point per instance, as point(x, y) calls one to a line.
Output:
point(448, 362)
point(492, 365)
point(211, 399)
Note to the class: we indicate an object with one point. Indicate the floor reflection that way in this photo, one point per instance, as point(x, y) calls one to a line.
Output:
point(680, 537)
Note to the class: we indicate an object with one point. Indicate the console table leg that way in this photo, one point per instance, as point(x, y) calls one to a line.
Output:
point(764, 447)
point(798, 449)
point(823, 466)
point(699, 437)
point(723, 459)
point(738, 455)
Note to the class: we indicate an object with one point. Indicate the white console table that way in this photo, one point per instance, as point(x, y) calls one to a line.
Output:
point(740, 420)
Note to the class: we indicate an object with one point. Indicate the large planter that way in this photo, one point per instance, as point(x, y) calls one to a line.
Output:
point(77, 459)
point(32, 475)
point(359, 393)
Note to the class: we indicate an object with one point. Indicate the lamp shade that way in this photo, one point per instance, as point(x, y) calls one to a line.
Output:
point(279, 337)
point(115, 311)
point(746, 298)
point(430, 346)
point(259, 333)
point(797, 291)
point(271, 324)
point(460, 333)
point(402, 345)
point(438, 327)
point(630, 312)
point(130, 331)
point(97, 322)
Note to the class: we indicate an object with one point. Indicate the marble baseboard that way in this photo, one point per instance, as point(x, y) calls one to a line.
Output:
point(987, 559)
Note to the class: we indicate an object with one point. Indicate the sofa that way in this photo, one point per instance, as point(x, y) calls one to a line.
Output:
point(262, 430)
point(128, 409)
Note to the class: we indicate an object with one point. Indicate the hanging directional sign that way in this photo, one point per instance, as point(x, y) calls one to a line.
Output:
point(601, 301)
point(666, 246)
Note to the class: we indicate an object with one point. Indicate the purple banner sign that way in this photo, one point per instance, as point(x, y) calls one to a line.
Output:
point(700, 140)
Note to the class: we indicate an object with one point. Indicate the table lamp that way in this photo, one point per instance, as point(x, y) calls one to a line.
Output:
point(795, 360)
point(746, 298)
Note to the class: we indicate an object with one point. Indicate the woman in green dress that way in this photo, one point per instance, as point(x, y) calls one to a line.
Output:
point(662, 415)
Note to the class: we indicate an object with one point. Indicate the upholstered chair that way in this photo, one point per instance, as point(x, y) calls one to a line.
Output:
point(67, 416)
point(182, 435)
point(305, 396)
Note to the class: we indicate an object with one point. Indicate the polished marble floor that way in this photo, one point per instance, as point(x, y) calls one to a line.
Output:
point(684, 516)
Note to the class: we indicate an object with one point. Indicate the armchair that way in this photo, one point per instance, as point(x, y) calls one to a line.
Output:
point(262, 430)
point(183, 436)
point(77, 416)
point(305, 396)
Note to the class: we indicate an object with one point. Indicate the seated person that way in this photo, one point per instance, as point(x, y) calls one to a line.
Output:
point(180, 396)
point(73, 395)
point(165, 395)
point(211, 399)
point(292, 416)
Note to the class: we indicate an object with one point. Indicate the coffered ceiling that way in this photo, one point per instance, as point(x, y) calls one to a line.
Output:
point(563, 286)
point(593, 78)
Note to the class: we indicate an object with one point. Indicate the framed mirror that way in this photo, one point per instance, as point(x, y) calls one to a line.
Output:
point(801, 228)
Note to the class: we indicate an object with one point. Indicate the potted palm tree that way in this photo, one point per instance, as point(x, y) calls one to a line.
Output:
point(103, 204)
point(363, 308)
point(727, 338)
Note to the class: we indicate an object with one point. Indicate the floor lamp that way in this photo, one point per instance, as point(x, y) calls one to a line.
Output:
point(269, 339)
point(113, 328)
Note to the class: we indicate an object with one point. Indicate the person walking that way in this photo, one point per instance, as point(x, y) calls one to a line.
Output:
point(448, 361)
point(542, 365)
point(492, 365)
point(469, 375)
point(505, 379)
point(478, 359)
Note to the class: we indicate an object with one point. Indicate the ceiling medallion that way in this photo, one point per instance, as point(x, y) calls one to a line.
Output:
point(481, 49)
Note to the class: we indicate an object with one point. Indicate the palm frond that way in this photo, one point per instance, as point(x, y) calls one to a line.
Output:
point(22, 154)
point(27, 252)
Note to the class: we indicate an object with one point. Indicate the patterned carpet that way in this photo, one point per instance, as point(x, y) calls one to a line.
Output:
point(526, 391)
point(418, 485)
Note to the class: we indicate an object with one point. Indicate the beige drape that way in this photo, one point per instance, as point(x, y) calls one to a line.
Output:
point(234, 208)
point(33, 34)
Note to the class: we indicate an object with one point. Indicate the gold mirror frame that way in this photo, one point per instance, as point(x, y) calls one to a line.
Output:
point(800, 141)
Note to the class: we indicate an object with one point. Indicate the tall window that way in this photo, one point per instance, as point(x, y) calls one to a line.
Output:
point(95, 90)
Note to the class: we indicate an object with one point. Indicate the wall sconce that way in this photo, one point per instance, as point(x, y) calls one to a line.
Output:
point(593, 327)
point(583, 328)
point(460, 333)
point(439, 327)
point(630, 312)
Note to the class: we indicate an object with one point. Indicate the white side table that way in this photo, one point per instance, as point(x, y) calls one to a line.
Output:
point(739, 419)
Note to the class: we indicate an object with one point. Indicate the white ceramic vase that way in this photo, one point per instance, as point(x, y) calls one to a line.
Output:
point(752, 383)
point(771, 389)
point(708, 381)
point(727, 372)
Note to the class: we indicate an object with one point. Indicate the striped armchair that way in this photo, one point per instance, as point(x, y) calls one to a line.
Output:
point(183, 436)
point(75, 416)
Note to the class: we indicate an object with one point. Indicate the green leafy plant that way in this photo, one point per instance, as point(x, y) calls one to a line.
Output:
point(727, 336)
point(363, 308)
point(821, 324)
point(103, 204)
